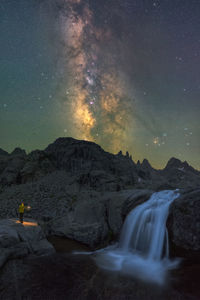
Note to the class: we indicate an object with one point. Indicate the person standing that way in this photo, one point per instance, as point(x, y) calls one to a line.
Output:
point(21, 212)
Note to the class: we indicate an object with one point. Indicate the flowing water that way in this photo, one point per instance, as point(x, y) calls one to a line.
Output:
point(143, 249)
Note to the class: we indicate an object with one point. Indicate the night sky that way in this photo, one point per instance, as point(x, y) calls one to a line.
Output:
point(122, 73)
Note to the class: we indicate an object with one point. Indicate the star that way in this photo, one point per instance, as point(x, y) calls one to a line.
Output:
point(156, 140)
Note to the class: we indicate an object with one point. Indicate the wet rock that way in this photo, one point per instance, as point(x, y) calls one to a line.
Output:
point(184, 224)
point(121, 203)
point(65, 276)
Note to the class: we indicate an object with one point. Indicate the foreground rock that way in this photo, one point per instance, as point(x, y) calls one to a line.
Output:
point(86, 223)
point(18, 240)
point(63, 208)
point(69, 277)
point(184, 225)
point(95, 222)
point(119, 204)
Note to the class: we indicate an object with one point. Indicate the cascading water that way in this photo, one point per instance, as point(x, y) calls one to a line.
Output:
point(144, 230)
point(142, 250)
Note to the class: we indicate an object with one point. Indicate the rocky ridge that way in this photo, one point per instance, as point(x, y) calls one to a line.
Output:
point(78, 190)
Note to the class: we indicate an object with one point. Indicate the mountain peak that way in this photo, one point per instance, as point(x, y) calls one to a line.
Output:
point(2, 152)
point(175, 163)
point(18, 151)
point(146, 164)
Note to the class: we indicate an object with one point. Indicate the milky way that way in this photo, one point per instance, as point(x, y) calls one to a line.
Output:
point(122, 73)
point(99, 107)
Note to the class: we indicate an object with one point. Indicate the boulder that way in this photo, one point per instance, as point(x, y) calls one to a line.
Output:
point(119, 204)
point(18, 240)
point(184, 224)
point(86, 223)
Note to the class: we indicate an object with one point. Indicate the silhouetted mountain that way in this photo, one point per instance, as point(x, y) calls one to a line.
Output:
point(175, 163)
point(2, 152)
point(93, 167)
point(146, 165)
point(18, 151)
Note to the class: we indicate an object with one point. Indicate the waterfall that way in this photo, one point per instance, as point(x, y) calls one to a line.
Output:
point(142, 250)
point(144, 229)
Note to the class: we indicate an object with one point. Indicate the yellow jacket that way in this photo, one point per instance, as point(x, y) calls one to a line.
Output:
point(21, 208)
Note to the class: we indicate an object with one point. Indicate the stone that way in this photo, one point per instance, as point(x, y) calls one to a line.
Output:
point(68, 276)
point(37, 165)
point(92, 167)
point(83, 157)
point(86, 223)
point(42, 247)
point(18, 240)
point(119, 204)
point(184, 224)
point(12, 169)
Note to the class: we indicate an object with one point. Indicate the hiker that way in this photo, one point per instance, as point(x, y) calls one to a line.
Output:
point(21, 212)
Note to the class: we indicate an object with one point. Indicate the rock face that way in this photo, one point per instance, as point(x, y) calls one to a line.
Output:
point(78, 190)
point(11, 170)
point(93, 168)
point(119, 204)
point(86, 223)
point(184, 224)
point(180, 174)
point(37, 165)
point(18, 240)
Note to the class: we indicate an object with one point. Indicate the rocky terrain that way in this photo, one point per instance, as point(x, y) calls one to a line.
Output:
point(78, 191)
point(184, 225)
point(92, 168)
point(19, 240)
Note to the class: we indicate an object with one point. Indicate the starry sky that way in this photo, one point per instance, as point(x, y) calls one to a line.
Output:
point(122, 73)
